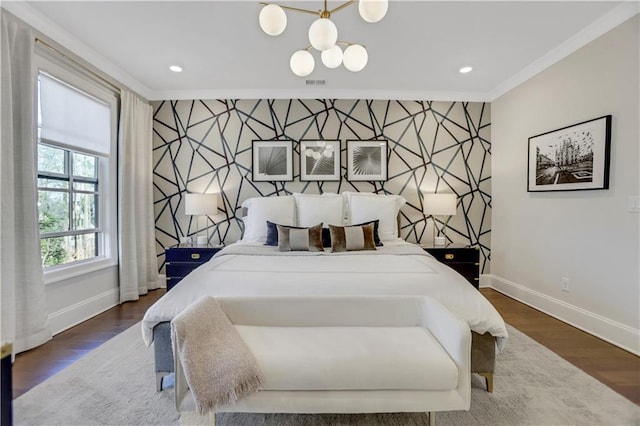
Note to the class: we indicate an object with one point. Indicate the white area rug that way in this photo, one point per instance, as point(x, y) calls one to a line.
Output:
point(115, 385)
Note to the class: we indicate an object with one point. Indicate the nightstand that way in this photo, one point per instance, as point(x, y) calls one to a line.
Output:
point(182, 259)
point(464, 260)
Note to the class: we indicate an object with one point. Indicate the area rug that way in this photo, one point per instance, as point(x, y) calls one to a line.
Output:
point(115, 385)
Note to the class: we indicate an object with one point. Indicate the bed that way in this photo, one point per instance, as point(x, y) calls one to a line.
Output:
point(395, 267)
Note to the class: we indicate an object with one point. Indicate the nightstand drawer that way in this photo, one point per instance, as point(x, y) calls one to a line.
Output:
point(180, 270)
point(181, 260)
point(448, 255)
point(190, 255)
point(470, 271)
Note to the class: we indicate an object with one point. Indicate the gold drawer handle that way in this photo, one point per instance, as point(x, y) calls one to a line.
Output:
point(195, 256)
point(448, 256)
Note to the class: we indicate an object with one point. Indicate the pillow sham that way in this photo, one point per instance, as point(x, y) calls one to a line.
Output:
point(352, 238)
point(326, 208)
point(364, 207)
point(300, 239)
point(272, 235)
point(279, 209)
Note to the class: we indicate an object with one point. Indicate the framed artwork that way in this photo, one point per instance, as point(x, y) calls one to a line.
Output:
point(319, 160)
point(367, 160)
point(572, 158)
point(272, 161)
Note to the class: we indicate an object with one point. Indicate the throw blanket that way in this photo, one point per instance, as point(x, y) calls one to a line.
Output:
point(218, 365)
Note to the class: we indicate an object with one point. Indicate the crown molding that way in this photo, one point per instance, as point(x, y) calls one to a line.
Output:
point(317, 93)
point(588, 34)
point(58, 34)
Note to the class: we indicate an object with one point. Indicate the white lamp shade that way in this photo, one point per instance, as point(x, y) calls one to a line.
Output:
point(200, 204)
point(373, 10)
point(332, 58)
point(323, 34)
point(439, 204)
point(273, 20)
point(355, 58)
point(302, 63)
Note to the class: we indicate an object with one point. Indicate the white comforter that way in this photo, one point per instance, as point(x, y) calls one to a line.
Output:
point(246, 269)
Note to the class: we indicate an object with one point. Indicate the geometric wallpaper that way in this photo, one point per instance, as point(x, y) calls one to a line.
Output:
point(205, 146)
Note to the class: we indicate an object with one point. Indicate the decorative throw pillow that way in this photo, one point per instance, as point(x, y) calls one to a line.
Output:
point(376, 237)
point(272, 235)
point(300, 239)
point(352, 238)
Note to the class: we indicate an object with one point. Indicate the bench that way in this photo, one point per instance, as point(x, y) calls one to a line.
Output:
point(349, 354)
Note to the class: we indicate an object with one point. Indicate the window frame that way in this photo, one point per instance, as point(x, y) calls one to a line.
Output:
point(107, 169)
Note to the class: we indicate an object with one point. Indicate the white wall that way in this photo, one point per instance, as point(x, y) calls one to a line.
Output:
point(74, 300)
point(586, 236)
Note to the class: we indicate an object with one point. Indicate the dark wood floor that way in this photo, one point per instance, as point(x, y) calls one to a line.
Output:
point(35, 366)
point(614, 367)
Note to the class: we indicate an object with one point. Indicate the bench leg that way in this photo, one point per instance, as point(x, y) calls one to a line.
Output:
point(489, 381)
point(212, 418)
point(432, 418)
point(159, 377)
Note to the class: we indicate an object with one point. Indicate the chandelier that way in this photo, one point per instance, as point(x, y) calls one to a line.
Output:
point(323, 35)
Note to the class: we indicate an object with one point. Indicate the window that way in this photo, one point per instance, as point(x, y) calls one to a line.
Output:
point(68, 197)
point(76, 172)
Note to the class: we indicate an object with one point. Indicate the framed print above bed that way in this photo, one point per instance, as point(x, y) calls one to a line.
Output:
point(272, 161)
point(572, 158)
point(319, 160)
point(367, 160)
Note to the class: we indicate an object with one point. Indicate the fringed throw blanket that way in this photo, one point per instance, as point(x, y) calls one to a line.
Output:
point(217, 364)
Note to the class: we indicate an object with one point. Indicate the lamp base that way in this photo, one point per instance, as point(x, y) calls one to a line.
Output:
point(202, 240)
point(439, 241)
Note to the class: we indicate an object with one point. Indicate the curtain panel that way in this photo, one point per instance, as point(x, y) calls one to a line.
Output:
point(24, 311)
point(137, 257)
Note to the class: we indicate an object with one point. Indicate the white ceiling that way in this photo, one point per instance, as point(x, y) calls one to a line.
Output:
point(414, 52)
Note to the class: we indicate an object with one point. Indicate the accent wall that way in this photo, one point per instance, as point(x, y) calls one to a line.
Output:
point(205, 146)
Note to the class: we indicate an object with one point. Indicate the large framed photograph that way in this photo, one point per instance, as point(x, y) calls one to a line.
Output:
point(319, 160)
point(367, 160)
point(573, 158)
point(272, 161)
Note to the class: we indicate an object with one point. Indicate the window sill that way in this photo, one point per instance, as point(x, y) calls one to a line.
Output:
point(78, 269)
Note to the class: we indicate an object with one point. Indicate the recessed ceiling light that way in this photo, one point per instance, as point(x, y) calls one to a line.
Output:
point(465, 70)
point(175, 68)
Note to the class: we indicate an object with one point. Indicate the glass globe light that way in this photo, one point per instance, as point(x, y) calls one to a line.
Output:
point(373, 10)
point(355, 58)
point(332, 58)
point(323, 34)
point(302, 63)
point(272, 19)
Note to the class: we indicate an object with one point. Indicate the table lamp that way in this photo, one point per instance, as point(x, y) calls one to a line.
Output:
point(439, 204)
point(201, 205)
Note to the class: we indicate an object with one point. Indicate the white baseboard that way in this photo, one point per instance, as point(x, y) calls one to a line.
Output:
point(621, 335)
point(75, 314)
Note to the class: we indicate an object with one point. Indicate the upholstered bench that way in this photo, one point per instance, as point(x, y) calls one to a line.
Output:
point(349, 355)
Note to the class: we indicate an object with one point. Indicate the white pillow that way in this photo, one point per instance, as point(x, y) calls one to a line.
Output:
point(364, 207)
point(280, 210)
point(313, 209)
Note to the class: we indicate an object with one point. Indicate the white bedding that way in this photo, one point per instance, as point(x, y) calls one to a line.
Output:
point(398, 268)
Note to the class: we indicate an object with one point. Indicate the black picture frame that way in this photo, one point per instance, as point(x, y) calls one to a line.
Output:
point(367, 161)
point(272, 161)
point(319, 160)
point(572, 158)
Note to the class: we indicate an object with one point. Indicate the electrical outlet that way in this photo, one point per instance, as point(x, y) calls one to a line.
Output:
point(565, 284)
point(634, 204)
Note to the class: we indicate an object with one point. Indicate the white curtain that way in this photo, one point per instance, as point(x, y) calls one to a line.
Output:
point(138, 264)
point(24, 310)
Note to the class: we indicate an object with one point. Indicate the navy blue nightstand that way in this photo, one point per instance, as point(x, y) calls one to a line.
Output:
point(182, 259)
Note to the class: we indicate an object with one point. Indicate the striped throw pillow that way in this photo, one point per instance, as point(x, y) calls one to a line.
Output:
point(300, 239)
point(352, 238)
